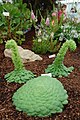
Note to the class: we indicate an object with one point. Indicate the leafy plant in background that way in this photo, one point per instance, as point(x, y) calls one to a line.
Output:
point(75, 31)
point(19, 74)
point(41, 46)
point(58, 69)
point(18, 20)
point(41, 97)
point(44, 40)
point(69, 30)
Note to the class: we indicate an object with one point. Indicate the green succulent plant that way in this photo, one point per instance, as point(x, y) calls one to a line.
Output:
point(58, 69)
point(19, 74)
point(41, 96)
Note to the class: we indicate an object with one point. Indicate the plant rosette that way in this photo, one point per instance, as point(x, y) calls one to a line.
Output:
point(41, 97)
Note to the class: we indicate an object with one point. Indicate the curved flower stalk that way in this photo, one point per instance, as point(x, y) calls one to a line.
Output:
point(20, 74)
point(57, 68)
point(11, 44)
point(41, 97)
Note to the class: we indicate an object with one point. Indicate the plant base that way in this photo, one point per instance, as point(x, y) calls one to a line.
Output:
point(59, 71)
point(20, 76)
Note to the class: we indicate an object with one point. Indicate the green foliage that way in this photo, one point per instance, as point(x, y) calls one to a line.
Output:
point(19, 75)
point(41, 96)
point(19, 14)
point(57, 68)
point(1, 41)
point(41, 46)
point(54, 46)
point(70, 30)
point(19, 32)
point(18, 20)
point(20, 37)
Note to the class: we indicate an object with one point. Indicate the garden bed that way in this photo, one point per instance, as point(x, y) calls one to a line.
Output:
point(71, 84)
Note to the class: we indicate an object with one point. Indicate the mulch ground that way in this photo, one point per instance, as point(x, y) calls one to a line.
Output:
point(71, 84)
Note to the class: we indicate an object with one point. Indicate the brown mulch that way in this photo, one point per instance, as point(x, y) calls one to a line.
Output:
point(71, 84)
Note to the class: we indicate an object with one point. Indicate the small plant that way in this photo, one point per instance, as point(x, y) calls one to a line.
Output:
point(41, 97)
point(57, 68)
point(19, 74)
point(41, 46)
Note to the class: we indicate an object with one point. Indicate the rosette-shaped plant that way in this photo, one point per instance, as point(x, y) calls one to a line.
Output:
point(19, 74)
point(58, 69)
point(41, 96)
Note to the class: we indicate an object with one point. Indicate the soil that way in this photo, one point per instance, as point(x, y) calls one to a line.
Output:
point(71, 84)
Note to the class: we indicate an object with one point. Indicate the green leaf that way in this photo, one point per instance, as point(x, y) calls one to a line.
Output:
point(19, 32)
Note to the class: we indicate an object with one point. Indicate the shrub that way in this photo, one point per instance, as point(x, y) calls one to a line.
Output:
point(41, 96)
point(57, 68)
point(19, 74)
point(41, 46)
point(18, 20)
